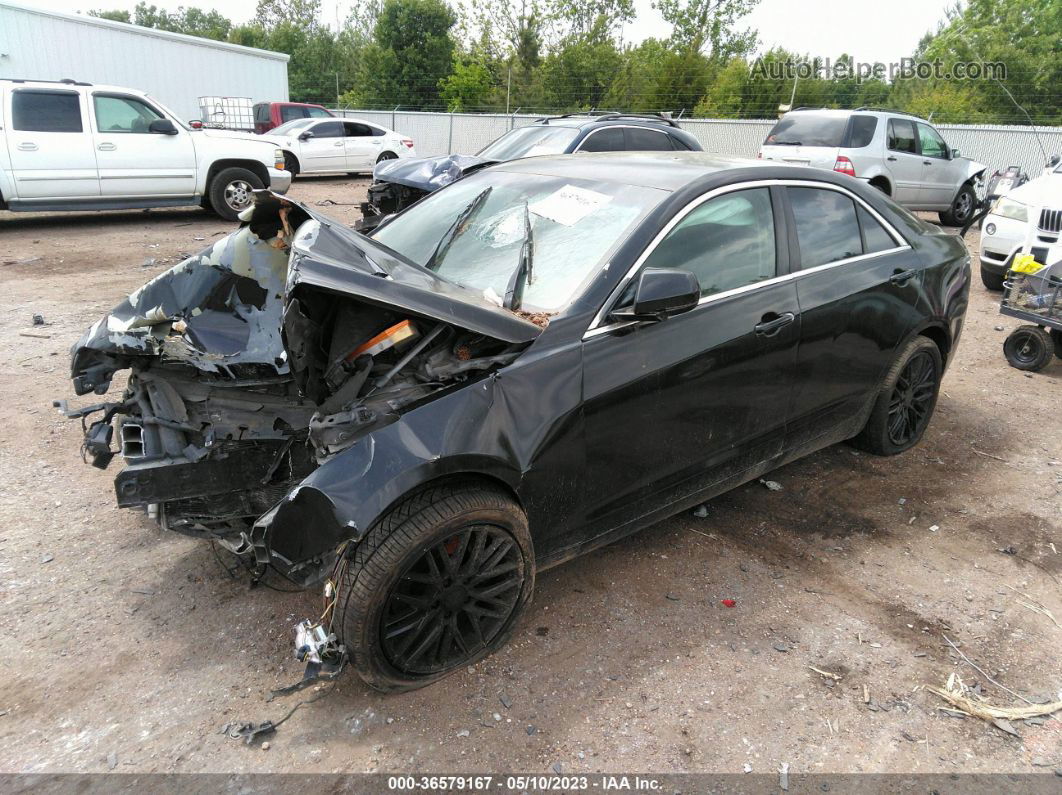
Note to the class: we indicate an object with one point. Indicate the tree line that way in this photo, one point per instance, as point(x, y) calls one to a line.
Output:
point(555, 56)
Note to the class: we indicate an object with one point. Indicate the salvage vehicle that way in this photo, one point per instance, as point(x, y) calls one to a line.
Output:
point(315, 146)
point(395, 186)
point(541, 358)
point(68, 145)
point(269, 115)
point(898, 153)
point(1033, 211)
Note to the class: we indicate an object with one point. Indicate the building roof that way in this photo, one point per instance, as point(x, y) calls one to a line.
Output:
point(138, 30)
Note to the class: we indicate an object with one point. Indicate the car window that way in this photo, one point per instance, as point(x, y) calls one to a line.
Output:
point(317, 113)
point(875, 238)
point(826, 226)
point(328, 129)
point(293, 126)
point(679, 144)
point(535, 139)
point(261, 112)
point(46, 111)
point(640, 139)
point(123, 114)
point(861, 131)
point(932, 144)
point(356, 130)
point(902, 136)
point(575, 225)
point(727, 242)
point(609, 139)
point(807, 129)
point(376, 131)
point(290, 112)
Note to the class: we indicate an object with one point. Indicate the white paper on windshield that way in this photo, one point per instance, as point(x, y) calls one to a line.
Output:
point(569, 205)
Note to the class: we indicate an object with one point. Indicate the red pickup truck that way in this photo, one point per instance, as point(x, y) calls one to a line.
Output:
point(268, 115)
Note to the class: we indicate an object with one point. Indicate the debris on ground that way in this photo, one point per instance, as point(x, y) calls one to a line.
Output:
point(783, 777)
point(965, 699)
point(38, 319)
point(772, 485)
point(728, 602)
point(701, 511)
point(827, 674)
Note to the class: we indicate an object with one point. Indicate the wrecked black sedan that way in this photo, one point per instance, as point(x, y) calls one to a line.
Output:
point(539, 359)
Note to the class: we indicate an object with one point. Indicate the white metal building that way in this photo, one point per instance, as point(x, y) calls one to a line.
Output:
point(176, 69)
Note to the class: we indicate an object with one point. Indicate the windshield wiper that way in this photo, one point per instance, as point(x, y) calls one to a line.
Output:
point(456, 229)
point(786, 143)
point(523, 275)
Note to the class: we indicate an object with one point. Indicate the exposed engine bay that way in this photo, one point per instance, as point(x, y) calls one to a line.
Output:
point(259, 359)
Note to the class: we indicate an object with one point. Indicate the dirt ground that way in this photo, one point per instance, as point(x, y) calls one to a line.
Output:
point(128, 649)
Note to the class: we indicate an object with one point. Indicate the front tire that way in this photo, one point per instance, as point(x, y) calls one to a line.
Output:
point(231, 191)
point(993, 281)
point(291, 163)
point(906, 401)
point(962, 207)
point(1029, 348)
point(437, 584)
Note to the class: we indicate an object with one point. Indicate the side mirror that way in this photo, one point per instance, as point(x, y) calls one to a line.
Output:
point(661, 293)
point(162, 127)
point(954, 153)
point(306, 136)
point(1054, 161)
point(196, 124)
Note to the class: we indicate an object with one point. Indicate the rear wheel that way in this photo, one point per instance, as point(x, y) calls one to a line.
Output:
point(386, 156)
point(436, 585)
point(993, 281)
point(962, 207)
point(1029, 348)
point(906, 401)
point(231, 191)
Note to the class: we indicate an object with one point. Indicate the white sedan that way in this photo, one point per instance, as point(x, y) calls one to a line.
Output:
point(1033, 213)
point(323, 146)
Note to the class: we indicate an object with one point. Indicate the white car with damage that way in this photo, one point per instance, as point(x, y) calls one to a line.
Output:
point(69, 145)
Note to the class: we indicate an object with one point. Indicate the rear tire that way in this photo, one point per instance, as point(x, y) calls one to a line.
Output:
point(230, 191)
point(386, 156)
point(1029, 348)
point(449, 571)
point(962, 207)
point(906, 401)
point(993, 281)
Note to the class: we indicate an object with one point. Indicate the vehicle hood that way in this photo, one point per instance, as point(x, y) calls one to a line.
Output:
point(973, 168)
point(427, 173)
point(1043, 191)
point(235, 135)
point(221, 310)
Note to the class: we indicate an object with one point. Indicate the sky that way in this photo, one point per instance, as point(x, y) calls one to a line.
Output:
point(868, 30)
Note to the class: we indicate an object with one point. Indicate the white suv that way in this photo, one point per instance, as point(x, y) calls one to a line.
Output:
point(75, 146)
point(901, 155)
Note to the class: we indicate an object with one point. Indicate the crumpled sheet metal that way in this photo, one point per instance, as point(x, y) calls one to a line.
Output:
point(427, 173)
point(229, 298)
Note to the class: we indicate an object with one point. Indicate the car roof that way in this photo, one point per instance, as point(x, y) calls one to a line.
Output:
point(604, 120)
point(668, 171)
point(844, 112)
point(72, 85)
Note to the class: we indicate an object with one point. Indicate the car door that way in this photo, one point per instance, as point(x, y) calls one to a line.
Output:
point(938, 185)
point(362, 146)
point(675, 408)
point(904, 161)
point(859, 285)
point(324, 149)
point(132, 160)
point(50, 146)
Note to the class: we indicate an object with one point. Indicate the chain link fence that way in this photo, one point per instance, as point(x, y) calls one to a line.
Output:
point(446, 133)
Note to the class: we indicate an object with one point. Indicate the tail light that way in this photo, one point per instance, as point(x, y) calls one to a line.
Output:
point(408, 142)
point(844, 166)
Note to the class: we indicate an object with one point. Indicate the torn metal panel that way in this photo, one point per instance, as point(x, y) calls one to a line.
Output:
point(427, 173)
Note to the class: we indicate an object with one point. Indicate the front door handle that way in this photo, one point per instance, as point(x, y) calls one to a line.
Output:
point(892, 158)
point(27, 146)
point(927, 162)
point(339, 143)
point(902, 277)
point(106, 147)
point(772, 323)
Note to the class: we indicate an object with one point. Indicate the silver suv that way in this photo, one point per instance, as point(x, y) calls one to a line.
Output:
point(899, 154)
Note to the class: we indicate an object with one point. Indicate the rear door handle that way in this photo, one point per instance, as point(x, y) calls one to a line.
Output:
point(772, 323)
point(902, 277)
point(27, 147)
point(927, 162)
point(339, 143)
point(892, 158)
point(106, 147)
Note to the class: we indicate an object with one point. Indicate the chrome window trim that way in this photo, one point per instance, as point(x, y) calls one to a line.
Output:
point(598, 325)
point(592, 133)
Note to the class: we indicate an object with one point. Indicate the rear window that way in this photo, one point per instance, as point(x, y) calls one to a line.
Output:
point(861, 131)
point(610, 139)
point(902, 136)
point(807, 129)
point(46, 111)
point(826, 226)
point(317, 113)
point(641, 139)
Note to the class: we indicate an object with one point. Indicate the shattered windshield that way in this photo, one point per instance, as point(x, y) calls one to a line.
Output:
point(529, 142)
point(476, 233)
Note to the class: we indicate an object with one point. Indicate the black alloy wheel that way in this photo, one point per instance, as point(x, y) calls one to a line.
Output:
point(913, 396)
point(452, 601)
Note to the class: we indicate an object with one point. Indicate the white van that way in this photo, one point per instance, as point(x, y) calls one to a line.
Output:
point(76, 146)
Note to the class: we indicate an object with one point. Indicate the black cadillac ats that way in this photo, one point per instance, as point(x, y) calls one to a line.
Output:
point(540, 358)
